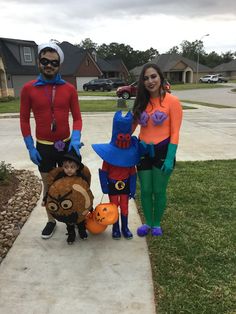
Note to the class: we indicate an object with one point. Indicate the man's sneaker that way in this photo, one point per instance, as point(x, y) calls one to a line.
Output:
point(48, 230)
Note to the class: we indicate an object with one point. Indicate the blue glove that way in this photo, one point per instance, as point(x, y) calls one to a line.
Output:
point(34, 154)
point(132, 185)
point(103, 176)
point(168, 165)
point(75, 141)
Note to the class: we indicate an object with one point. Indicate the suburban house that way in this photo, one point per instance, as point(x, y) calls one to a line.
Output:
point(81, 66)
point(18, 65)
point(227, 69)
point(176, 68)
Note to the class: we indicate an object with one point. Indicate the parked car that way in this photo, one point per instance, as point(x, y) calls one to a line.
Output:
point(208, 79)
point(130, 90)
point(98, 84)
point(117, 82)
point(127, 91)
point(221, 78)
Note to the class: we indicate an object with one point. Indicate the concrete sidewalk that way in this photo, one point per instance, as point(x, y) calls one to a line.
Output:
point(99, 275)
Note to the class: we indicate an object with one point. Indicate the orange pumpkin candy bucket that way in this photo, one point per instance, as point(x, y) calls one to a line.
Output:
point(92, 226)
point(106, 214)
point(103, 215)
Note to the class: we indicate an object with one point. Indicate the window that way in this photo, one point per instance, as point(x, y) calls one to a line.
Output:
point(27, 54)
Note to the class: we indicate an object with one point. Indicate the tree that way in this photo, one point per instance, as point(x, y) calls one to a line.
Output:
point(227, 56)
point(130, 57)
point(87, 44)
point(191, 50)
point(173, 50)
point(213, 59)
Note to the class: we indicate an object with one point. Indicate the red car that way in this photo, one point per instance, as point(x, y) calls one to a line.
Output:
point(127, 91)
point(130, 90)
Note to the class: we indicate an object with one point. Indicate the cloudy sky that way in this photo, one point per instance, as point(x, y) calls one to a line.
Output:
point(140, 24)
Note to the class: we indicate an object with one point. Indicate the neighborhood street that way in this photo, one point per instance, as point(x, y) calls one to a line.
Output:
point(221, 96)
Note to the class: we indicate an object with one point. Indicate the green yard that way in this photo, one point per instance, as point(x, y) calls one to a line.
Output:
point(193, 264)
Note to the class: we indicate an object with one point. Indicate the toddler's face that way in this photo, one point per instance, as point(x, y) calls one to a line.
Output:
point(70, 168)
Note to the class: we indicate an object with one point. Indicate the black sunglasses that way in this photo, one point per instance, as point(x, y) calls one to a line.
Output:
point(54, 63)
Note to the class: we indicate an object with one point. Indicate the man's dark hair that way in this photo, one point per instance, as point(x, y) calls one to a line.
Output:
point(48, 49)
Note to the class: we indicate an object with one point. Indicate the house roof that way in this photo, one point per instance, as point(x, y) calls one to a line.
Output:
point(229, 66)
point(106, 65)
point(111, 64)
point(167, 62)
point(118, 62)
point(73, 58)
point(10, 52)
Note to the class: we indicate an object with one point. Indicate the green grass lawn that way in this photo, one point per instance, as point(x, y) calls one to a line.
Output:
point(10, 106)
point(194, 263)
point(85, 106)
point(110, 105)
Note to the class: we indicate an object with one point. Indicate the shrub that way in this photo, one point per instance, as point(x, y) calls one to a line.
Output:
point(7, 99)
point(5, 171)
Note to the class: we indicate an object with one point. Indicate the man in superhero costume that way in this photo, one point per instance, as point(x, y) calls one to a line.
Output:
point(118, 173)
point(51, 99)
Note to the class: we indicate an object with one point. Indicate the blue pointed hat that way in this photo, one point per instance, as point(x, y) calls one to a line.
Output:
point(123, 149)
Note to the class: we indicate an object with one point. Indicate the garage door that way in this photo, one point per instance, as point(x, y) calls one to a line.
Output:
point(80, 81)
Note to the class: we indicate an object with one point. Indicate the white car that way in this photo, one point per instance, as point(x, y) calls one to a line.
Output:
point(222, 79)
point(209, 79)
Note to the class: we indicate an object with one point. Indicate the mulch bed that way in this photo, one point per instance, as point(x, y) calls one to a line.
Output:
point(8, 190)
point(19, 195)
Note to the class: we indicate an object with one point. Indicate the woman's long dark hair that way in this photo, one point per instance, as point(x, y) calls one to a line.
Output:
point(143, 96)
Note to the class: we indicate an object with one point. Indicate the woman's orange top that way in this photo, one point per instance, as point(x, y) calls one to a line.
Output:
point(155, 134)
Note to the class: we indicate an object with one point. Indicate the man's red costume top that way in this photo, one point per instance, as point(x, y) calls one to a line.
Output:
point(39, 100)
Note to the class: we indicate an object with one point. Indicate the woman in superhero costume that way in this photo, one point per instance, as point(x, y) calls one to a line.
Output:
point(159, 115)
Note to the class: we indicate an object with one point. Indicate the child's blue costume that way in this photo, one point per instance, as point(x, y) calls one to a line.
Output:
point(118, 173)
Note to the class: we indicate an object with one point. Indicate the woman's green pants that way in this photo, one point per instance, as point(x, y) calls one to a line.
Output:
point(153, 185)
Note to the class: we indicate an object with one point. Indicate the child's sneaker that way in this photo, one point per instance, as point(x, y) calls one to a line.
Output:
point(49, 230)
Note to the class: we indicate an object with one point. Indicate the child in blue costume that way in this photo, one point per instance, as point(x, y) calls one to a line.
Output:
point(118, 173)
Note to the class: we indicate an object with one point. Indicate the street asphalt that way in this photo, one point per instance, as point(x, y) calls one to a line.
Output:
point(99, 275)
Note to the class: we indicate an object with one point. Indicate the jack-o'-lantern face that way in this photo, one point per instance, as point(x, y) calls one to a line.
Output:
point(69, 199)
point(106, 213)
point(92, 226)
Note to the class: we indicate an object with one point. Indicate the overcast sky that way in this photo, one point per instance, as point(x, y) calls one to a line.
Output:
point(140, 24)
